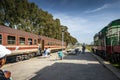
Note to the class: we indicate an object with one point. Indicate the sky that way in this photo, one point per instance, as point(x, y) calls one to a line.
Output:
point(84, 18)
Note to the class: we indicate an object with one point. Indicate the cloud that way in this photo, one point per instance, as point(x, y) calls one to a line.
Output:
point(74, 23)
point(78, 27)
point(83, 28)
point(98, 9)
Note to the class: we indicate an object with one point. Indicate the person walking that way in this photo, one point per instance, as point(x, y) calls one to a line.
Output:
point(60, 55)
point(4, 75)
point(39, 51)
point(76, 51)
point(83, 48)
point(44, 53)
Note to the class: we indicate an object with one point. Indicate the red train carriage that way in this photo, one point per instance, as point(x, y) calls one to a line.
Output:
point(24, 45)
point(12, 38)
point(19, 42)
point(52, 43)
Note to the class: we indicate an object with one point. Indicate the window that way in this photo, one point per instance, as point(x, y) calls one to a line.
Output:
point(48, 43)
point(119, 36)
point(29, 41)
point(11, 40)
point(21, 41)
point(0, 39)
point(114, 31)
point(35, 41)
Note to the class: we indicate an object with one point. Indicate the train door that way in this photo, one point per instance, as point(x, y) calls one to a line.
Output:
point(0, 39)
point(42, 44)
point(39, 41)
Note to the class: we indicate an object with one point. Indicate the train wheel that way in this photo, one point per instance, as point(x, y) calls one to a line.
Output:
point(112, 59)
point(31, 55)
point(117, 58)
point(18, 58)
point(25, 57)
point(107, 57)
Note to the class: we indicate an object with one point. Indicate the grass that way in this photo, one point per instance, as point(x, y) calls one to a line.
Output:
point(89, 48)
point(116, 65)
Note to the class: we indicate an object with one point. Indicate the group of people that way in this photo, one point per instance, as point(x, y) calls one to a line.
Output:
point(46, 52)
point(82, 51)
point(4, 74)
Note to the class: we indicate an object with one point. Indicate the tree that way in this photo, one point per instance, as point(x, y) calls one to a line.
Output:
point(23, 15)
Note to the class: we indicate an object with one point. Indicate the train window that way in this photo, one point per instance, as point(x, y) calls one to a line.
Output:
point(118, 36)
point(11, 40)
point(0, 39)
point(21, 41)
point(29, 41)
point(114, 31)
point(48, 43)
point(35, 41)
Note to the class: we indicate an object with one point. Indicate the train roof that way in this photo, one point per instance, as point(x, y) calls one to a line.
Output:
point(114, 23)
point(48, 38)
point(8, 30)
point(11, 31)
point(103, 30)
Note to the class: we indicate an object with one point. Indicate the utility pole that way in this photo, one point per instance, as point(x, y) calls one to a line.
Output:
point(62, 39)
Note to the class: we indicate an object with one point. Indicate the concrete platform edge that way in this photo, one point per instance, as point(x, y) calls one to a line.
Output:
point(108, 66)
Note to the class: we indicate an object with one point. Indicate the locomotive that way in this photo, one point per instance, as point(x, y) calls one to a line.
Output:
point(25, 45)
point(107, 42)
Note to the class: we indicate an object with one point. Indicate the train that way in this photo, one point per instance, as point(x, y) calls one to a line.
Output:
point(25, 45)
point(107, 42)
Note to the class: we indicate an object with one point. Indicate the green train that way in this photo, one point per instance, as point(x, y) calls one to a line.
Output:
point(107, 42)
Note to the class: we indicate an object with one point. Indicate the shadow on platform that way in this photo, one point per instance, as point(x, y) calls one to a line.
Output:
point(75, 71)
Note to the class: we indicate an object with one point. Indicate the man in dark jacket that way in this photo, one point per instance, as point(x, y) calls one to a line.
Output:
point(83, 48)
point(4, 75)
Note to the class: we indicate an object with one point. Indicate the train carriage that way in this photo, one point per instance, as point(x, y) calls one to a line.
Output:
point(113, 41)
point(107, 41)
point(24, 45)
